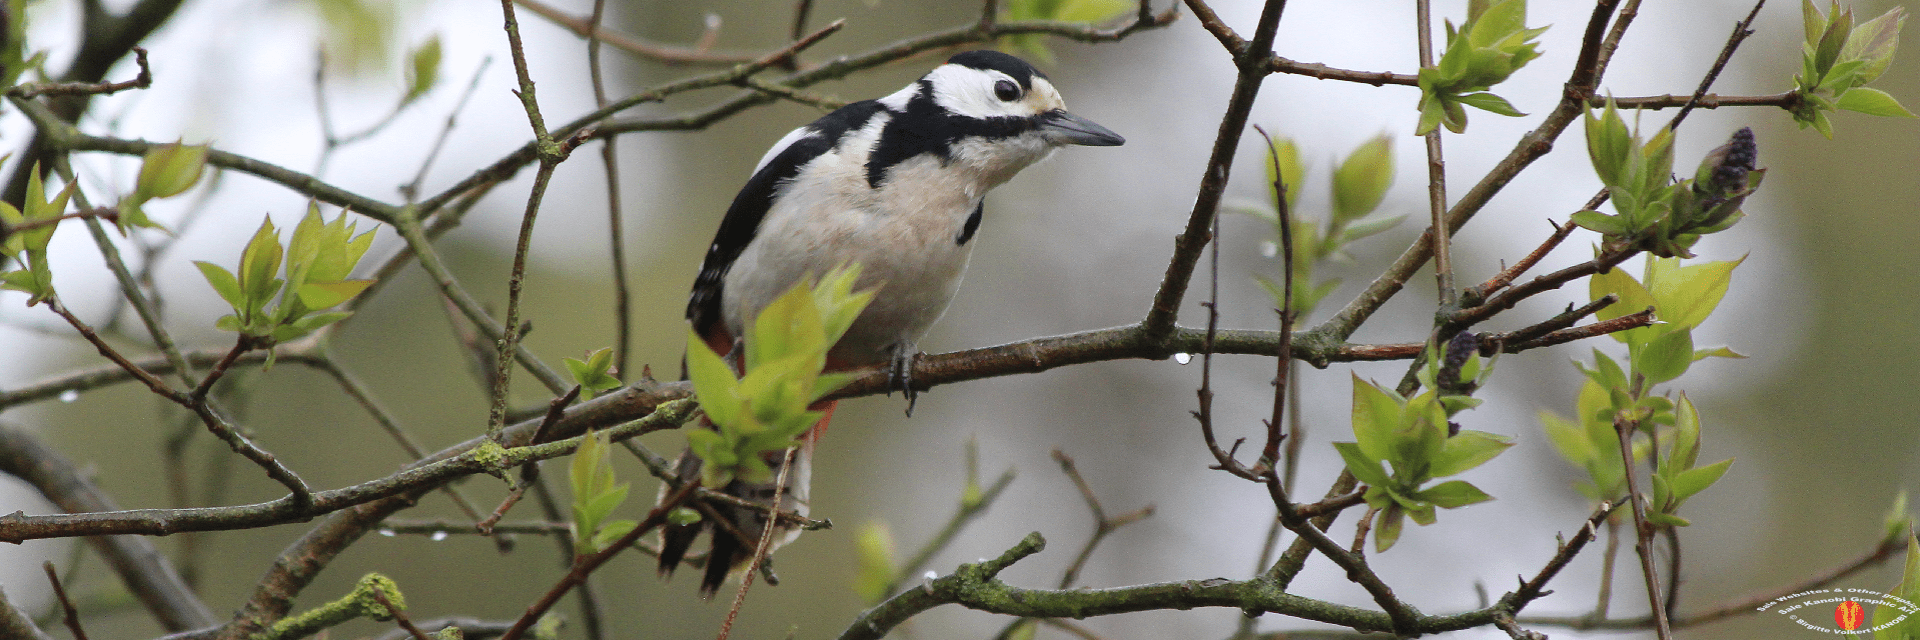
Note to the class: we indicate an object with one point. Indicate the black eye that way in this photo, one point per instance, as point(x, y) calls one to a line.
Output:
point(1006, 91)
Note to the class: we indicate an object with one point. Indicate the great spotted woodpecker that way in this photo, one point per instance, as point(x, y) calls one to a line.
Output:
point(895, 184)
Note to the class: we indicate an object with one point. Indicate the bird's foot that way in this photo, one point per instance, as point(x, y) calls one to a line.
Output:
point(900, 375)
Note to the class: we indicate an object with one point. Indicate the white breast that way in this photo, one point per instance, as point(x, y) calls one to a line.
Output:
point(904, 234)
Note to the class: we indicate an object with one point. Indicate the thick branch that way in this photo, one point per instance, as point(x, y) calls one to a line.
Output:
point(146, 573)
point(457, 462)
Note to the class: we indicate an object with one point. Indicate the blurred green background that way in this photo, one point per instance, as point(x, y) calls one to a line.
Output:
point(1821, 419)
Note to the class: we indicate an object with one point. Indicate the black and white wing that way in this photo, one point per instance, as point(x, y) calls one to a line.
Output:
point(742, 222)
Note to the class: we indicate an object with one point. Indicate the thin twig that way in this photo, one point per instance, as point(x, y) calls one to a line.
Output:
point(1589, 67)
point(399, 614)
point(762, 546)
point(411, 189)
point(1643, 530)
point(70, 615)
point(966, 512)
point(1211, 21)
point(1404, 616)
point(591, 29)
point(1251, 61)
point(1888, 548)
point(1536, 587)
point(299, 498)
point(1224, 459)
point(107, 213)
point(1506, 276)
point(1270, 455)
point(448, 527)
point(551, 154)
point(1787, 100)
point(1319, 71)
point(616, 238)
point(801, 10)
point(1436, 175)
point(1103, 525)
point(585, 565)
point(142, 80)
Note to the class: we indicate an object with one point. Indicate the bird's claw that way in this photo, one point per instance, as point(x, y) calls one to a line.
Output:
point(900, 376)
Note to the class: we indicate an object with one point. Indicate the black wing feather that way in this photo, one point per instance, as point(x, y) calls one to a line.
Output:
point(750, 206)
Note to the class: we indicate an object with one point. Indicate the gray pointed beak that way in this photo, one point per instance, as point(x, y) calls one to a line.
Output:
point(1066, 128)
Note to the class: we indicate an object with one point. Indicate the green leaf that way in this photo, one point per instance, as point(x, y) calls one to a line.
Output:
point(423, 69)
point(1716, 352)
point(1421, 512)
point(1420, 438)
point(1453, 494)
point(258, 263)
point(1685, 295)
point(1606, 373)
point(1686, 435)
point(1609, 145)
point(874, 555)
point(1376, 416)
point(1908, 590)
point(1826, 51)
point(170, 169)
point(713, 383)
point(1875, 42)
point(1466, 450)
point(1496, 21)
point(1432, 112)
point(1600, 223)
point(223, 283)
point(1692, 481)
point(1814, 22)
point(1872, 101)
point(308, 324)
point(592, 373)
point(1368, 227)
point(1633, 298)
point(303, 247)
point(1898, 520)
point(838, 303)
point(610, 533)
point(1667, 520)
point(1092, 11)
point(1290, 170)
point(1489, 102)
point(1364, 468)
point(1567, 437)
point(320, 295)
point(1665, 357)
point(1387, 531)
point(1361, 181)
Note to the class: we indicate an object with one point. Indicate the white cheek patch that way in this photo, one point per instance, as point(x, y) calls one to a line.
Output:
point(969, 92)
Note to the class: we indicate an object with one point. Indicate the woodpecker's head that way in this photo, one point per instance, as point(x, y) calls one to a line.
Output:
point(989, 85)
point(986, 110)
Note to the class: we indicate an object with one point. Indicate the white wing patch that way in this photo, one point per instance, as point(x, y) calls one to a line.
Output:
point(785, 141)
